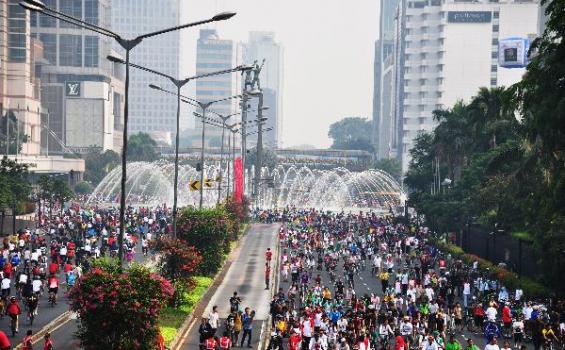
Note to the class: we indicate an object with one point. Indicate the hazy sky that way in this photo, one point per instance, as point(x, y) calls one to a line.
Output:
point(329, 48)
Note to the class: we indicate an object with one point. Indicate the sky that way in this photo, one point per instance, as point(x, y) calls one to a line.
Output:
point(328, 54)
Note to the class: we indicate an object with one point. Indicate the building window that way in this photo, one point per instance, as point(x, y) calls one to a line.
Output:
point(72, 8)
point(495, 14)
point(495, 41)
point(422, 82)
point(439, 81)
point(494, 54)
point(91, 51)
point(46, 21)
point(493, 82)
point(439, 94)
point(70, 50)
point(49, 47)
point(423, 55)
point(17, 42)
point(440, 67)
point(91, 11)
point(493, 68)
point(406, 82)
point(495, 28)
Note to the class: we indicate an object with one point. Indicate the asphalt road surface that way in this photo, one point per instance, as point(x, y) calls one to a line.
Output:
point(246, 276)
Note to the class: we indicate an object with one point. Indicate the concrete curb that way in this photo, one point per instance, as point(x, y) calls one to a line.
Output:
point(266, 329)
point(50, 327)
point(200, 307)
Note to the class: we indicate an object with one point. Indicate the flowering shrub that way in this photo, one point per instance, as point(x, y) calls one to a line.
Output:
point(119, 311)
point(177, 262)
point(210, 232)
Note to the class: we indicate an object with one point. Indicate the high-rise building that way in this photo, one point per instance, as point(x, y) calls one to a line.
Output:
point(21, 63)
point(149, 110)
point(447, 50)
point(19, 85)
point(214, 54)
point(262, 46)
point(82, 91)
point(384, 135)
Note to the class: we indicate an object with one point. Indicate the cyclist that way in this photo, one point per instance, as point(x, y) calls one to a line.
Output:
point(4, 342)
point(548, 335)
point(32, 303)
point(48, 345)
point(53, 283)
point(13, 310)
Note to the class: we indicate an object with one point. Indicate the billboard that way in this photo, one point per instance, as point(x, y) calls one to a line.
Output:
point(469, 16)
point(513, 52)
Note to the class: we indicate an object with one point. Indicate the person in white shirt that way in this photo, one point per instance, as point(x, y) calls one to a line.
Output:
point(6, 283)
point(491, 314)
point(466, 293)
point(213, 319)
point(36, 284)
point(430, 344)
point(492, 345)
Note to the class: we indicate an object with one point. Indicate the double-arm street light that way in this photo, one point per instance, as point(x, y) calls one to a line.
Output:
point(179, 83)
point(128, 45)
point(204, 107)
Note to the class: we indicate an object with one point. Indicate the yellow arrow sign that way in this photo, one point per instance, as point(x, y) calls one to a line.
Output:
point(208, 182)
point(194, 185)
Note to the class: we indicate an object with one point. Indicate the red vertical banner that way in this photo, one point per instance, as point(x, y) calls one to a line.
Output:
point(238, 179)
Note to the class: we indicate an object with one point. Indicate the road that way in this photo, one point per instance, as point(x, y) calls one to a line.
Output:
point(246, 276)
point(365, 283)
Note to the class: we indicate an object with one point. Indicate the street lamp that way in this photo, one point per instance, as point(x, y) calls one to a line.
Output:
point(179, 83)
point(128, 45)
point(204, 106)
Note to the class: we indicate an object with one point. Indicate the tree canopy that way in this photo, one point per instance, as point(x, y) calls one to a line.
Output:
point(141, 148)
point(351, 133)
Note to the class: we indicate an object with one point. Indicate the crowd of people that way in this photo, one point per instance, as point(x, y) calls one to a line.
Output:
point(416, 297)
point(35, 262)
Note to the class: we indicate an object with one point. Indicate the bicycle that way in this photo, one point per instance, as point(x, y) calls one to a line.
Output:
point(14, 324)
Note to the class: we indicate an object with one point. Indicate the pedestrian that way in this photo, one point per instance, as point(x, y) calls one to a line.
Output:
point(247, 322)
point(27, 342)
point(492, 345)
point(48, 345)
point(225, 342)
point(214, 320)
point(205, 332)
point(267, 275)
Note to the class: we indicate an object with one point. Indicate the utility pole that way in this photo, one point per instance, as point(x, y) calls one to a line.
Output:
point(259, 160)
point(244, 101)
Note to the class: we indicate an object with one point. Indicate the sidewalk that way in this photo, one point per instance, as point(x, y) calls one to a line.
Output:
point(246, 276)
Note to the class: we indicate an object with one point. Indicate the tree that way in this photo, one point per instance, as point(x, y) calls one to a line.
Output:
point(84, 187)
point(141, 148)
point(269, 158)
point(98, 165)
point(14, 186)
point(391, 166)
point(54, 190)
point(9, 126)
point(352, 133)
point(119, 310)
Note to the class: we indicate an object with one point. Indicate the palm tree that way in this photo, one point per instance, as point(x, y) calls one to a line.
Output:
point(491, 114)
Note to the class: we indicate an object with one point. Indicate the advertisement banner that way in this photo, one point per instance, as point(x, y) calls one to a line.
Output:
point(238, 179)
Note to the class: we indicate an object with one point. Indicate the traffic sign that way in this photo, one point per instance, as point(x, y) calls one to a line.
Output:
point(208, 182)
point(195, 185)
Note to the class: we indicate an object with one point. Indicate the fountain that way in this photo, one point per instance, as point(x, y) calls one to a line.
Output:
point(150, 184)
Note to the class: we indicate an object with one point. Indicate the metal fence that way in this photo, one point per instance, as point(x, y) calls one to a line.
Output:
point(500, 247)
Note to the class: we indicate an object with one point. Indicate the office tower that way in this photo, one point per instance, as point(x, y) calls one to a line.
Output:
point(20, 106)
point(384, 126)
point(150, 111)
point(213, 54)
point(262, 45)
point(449, 49)
point(81, 91)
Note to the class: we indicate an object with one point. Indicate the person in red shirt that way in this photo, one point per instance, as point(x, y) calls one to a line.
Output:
point(53, 267)
point(13, 310)
point(295, 340)
point(506, 316)
point(4, 342)
point(210, 344)
point(48, 345)
point(225, 342)
point(399, 344)
point(27, 342)
point(8, 270)
point(268, 255)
